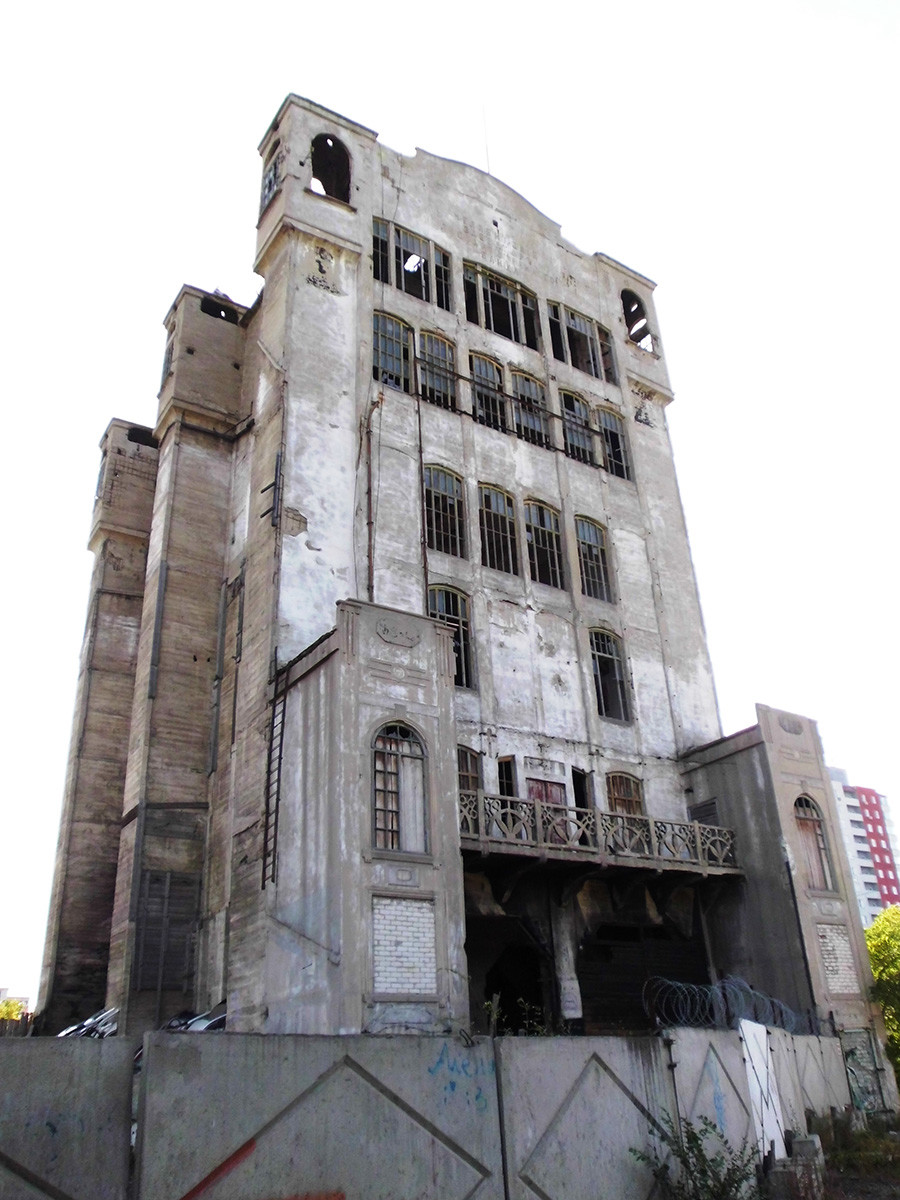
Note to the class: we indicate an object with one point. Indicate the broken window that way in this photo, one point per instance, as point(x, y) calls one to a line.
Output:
point(506, 777)
point(452, 607)
point(444, 515)
point(814, 845)
point(399, 790)
point(330, 167)
point(581, 342)
point(609, 675)
point(624, 795)
point(212, 306)
point(544, 545)
point(615, 452)
point(498, 530)
point(636, 320)
point(391, 351)
point(501, 305)
point(437, 374)
point(577, 437)
point(530, 410)
point(469, 769)
point(592, 559)
point(411, 264)
point(488, 401)
point(581, 788)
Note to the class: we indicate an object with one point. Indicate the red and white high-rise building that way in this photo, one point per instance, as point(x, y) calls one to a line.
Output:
point(869, 838)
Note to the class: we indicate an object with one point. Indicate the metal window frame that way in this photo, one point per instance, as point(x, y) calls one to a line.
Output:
point(529, 404)
point(498, 530)
point(608, 665)
point(445, 524)
point(389, 835)
point(615, 452)
point(544, 541)
point(441, 604)
point(488, 399)
point(437, 370)
point(384, 360)
point(578, 436)
point(593, 559)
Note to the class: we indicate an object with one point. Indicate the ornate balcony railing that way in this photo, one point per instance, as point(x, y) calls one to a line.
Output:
point(515, 825)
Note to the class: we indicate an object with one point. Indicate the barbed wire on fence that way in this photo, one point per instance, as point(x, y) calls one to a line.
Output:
point(721, 1006)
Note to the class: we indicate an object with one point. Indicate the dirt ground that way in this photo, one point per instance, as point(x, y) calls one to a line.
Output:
point(844, 1186)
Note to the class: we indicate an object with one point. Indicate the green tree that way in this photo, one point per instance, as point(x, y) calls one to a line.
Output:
point(11, 1010)
point(883, 940)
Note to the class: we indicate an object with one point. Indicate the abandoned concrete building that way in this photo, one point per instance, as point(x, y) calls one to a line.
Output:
point(395, 696)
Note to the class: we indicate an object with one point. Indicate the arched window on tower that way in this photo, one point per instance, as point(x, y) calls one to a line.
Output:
point(398, 803)
point(636, 320)
point(811, 829)
point(330, 167)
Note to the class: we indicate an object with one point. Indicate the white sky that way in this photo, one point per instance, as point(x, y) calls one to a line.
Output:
point(744, 157)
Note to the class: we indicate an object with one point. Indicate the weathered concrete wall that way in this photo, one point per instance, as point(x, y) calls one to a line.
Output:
point(65, 1118)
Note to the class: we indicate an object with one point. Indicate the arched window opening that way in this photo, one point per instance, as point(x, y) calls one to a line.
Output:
point(636, 320)
point(609, 675)
point(452, 608)
point(624, 795)
point(814, 844)
point(399, 790)
point(330, 167)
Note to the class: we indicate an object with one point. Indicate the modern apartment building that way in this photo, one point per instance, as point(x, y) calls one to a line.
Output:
point(868, 834)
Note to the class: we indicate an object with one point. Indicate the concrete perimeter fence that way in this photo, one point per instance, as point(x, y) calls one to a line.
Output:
point(265, 1117)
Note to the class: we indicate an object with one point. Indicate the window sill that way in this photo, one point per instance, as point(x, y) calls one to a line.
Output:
point(399, 856)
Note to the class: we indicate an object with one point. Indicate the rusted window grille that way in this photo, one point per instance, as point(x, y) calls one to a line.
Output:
point(168, 908)
point(469, 769)
point(623, 795)
point(498, 530)
point(615, 452)
point(391, 351)
point(544, 546)
point(413, 258)
point(501, 305)
point(273, 788)
point(399, 790)
point(444, 514)
point(815, 846)
point(452, 608)
point(592, 559)
point(577, 437)
point(530, 410)
point(437, 371)
point(609, 675)
point(488, 401)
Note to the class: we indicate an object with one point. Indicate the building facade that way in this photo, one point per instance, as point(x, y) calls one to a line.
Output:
point(868, 835)
point(395, 674)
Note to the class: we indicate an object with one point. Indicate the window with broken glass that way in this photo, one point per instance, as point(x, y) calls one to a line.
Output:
point(498, 530)
point(420, 268)
point(592, 559)
point(391, 359)
point(444, 514)
point(577, 437)
point(615, 451)
point(452, 607)
point(609, 675)
point(544, 544)
point(488, 401)
point(581, 342)
point(437, 371)
point(501, 305)
point(399, 790)
point(530, 410)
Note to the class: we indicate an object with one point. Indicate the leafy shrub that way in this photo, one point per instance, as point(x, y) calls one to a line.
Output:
point(686, 1169)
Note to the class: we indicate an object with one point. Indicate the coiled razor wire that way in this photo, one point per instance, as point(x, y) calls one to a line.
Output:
point(720, 1006)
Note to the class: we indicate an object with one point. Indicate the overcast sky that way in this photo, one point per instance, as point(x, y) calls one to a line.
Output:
point(744, 157)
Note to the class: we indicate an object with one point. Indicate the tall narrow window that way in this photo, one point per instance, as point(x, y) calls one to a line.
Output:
point(506, 777)
point(577, 437)
point(609, 675)
point(623, 795)
point(390, 351)
point(530, 410)
point(615, 452)
point(437, 375)
point(556, 333)
point(814, 845)
point(584, 353)
point(498, 530)
point(544, 546)
point(399, 790)
point(380, 262)
point(444, 516)
point(592, 559)
point(488, 401)
point(452, 608)
point(469, 769)
point(411, 264)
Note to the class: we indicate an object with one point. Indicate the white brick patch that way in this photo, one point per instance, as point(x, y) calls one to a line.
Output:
point(403, 950)
point(837, 959)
